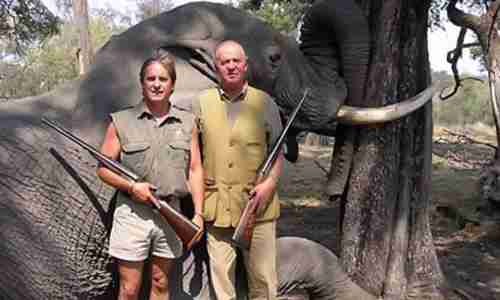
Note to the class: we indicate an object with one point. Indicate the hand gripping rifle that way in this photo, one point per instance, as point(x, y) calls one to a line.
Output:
point(187, 231)
point(244, 230)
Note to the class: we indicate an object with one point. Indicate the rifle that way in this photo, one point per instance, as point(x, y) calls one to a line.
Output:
point(186, 230)
point(244, 230)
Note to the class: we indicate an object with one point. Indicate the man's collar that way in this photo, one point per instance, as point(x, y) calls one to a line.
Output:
point(225, 97)
point(142, 110)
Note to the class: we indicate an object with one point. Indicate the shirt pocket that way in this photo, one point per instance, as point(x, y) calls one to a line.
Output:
point(180, 147)
point(134, 156)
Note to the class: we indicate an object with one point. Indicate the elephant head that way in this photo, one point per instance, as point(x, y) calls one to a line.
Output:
point(54, 226)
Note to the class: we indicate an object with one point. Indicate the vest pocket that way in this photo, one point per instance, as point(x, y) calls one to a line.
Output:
point(255, 155)
point(134, 156)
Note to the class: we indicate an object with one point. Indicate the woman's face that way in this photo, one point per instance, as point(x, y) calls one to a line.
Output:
point(157, 84)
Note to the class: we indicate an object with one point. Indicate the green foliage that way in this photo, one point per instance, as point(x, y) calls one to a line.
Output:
point(43, 68)
point(470, 105)
point(112, 16)
point(282, 15)
point(23, 22)
point(151, 8)
point(435, 15)
point(476, 53)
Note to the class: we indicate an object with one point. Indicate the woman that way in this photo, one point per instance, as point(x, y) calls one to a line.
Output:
point(152, 138)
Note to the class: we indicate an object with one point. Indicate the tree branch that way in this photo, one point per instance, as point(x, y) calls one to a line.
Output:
point(325, 170)
point(452, 57)
point(493, 12)
point(462, 19)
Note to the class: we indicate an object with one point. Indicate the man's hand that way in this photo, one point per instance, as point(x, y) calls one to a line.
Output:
point(200, 222)
point(262, 193)
point(141, 192)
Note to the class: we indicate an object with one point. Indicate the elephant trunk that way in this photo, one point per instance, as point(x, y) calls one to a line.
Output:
point(336, 41)
point(335, 49)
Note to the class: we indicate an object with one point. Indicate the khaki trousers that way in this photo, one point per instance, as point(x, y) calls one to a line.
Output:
point(260, 262)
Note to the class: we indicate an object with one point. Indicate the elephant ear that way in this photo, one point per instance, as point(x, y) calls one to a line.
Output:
point(335, 34)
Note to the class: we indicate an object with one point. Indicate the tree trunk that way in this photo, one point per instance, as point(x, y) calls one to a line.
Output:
point(156, 7)
point(81, 20)
point(386, 245)
point(486, 29)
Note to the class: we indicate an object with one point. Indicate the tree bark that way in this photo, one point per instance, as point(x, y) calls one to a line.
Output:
point(386, 245)
point(156, 7)
point(81, 20)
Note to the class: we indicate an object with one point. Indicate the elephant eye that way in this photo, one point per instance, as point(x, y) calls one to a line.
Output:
point(275, 57)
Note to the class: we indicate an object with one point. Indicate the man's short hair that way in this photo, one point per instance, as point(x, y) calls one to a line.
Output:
point(165, 58)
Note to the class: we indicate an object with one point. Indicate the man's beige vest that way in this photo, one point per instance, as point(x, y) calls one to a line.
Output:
point(231, 157)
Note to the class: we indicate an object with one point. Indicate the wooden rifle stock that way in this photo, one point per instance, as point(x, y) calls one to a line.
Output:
point(242, 235)
point(243, 232)
point(186, 230)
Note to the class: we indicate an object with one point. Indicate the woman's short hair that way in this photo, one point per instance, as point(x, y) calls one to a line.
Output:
point(162, 57)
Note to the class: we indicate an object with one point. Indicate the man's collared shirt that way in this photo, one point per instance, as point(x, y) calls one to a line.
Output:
point(172, 115)
point(225, 97)
point(233, 106)
point(156, 150)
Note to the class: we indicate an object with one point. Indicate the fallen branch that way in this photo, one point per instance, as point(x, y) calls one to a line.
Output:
point(320, 166)
point(468, 139)
point(463, 294)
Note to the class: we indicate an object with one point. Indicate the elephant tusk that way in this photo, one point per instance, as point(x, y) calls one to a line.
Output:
point(351, 115)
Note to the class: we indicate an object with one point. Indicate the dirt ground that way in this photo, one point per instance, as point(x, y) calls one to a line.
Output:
point(466, 230)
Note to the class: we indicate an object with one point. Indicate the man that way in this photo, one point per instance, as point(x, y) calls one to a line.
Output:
point(237, 124)
point(153, 138)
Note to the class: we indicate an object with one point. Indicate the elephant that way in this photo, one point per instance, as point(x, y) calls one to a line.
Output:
point(55, 214)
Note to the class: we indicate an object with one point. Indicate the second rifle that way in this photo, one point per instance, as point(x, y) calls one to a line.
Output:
point(244, 230)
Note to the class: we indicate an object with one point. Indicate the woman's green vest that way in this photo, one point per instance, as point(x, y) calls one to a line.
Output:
point(231, 157)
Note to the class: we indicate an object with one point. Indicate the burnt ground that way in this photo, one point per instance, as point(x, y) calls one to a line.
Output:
point(466, 235)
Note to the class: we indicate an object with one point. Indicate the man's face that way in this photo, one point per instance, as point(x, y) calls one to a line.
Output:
point(232, 66)
point(157, 84)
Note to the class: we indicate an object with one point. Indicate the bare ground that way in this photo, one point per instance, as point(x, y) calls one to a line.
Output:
point(467, 239)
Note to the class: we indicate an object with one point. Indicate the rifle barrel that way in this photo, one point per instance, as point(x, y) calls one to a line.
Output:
point(266, 166)
point(94, 152)
point(187, 231)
